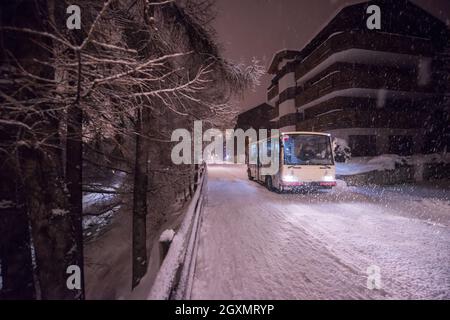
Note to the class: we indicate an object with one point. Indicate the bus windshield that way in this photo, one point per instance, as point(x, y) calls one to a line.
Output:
point(304, 149)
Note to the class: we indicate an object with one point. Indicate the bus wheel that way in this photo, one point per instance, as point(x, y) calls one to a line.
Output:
point(269, 184)
point(249, 175)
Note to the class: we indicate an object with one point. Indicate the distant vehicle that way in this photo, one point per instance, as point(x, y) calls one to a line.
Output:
point(306, 161)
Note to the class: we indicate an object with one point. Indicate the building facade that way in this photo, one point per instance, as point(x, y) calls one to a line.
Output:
point(257, 118)
point(384, 91)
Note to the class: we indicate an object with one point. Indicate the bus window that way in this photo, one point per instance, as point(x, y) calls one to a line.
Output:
point(253, 153)
point(307, 150)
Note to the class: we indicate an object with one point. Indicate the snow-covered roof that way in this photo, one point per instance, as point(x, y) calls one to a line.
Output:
point(278, 56)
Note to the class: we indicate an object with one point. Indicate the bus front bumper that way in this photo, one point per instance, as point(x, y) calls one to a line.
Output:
point(305, 185)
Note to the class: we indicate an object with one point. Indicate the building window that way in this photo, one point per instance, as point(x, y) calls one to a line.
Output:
point(401, 145)
point(363, 145)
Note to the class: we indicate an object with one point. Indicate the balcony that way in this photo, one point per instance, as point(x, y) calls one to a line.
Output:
point(272, 92)
point(371, 41)
point(343, 76)
point(352, 118)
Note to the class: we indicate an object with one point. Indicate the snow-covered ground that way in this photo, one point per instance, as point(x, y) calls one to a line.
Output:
point(387, 162)
point(94, 202)
point(255, 244)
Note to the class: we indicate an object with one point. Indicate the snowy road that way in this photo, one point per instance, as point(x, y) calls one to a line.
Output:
point(255, 244)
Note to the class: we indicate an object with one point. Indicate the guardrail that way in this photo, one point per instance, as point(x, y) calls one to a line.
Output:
point(175, 277)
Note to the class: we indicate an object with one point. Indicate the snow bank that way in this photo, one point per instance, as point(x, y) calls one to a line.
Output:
point(94, 202)
point(167, 235)
point(388, 162)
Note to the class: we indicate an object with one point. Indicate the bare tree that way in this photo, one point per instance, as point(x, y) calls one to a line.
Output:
point(136, 70)
point(32, 149)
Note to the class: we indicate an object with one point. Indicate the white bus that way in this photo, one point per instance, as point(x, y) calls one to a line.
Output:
point(306, 161)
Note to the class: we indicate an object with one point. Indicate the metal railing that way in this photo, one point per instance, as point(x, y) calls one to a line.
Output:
point(176, 274)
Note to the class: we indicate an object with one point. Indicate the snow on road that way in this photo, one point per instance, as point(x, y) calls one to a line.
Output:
point(255, 244)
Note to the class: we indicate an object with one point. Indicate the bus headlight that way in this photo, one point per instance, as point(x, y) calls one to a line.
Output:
point(289, 178)
point(328, 178)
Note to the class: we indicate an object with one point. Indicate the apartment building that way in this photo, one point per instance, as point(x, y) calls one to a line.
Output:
point(384, 91)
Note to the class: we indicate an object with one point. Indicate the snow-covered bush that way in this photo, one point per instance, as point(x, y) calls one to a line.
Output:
point(342, 151)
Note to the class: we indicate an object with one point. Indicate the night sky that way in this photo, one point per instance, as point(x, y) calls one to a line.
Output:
point(259, 28)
